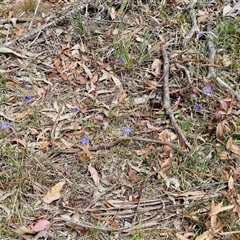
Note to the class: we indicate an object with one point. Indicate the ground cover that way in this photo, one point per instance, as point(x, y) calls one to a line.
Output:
point(119, 120)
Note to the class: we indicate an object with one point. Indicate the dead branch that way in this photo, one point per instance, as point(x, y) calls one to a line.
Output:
point(223, 84)
point(192, 30)
point(119, 140)
point(166, 98)
point(212, 52)
point(34, 15)
point(191, 4)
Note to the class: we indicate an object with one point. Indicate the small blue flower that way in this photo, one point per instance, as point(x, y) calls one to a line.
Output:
point(207, 90)
point(199, 34)
point(4, 126)
point(85, 75)
point(197, 107)
point(122, 61)
point(27, 99)
point(84, 141)
point(127, 130)
point(75, 109)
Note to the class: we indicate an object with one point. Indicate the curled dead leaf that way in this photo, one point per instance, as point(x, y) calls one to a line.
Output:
point(232, 147)
point(219, 131)
point(53, 193)
point(60, 69)
point(94, 174)
point(133, 176)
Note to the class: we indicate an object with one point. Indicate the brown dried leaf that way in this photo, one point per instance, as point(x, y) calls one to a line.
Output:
point(53, 193)
point(233, 148)
point(229, 143)
point(94, 174)
point(231, 183)
point(156, 66)
point(151, 85)
point(21, 142)
point(113, 223)
point(44, 145)
point(87, 70)
point(219, 208)
point(224, 106)
point(219, 131)
point(60, 69)
point(58, 168)
point(224, 155)
point(21, 115)
point(24, 230)
point(203, 18)
point(66, 143)
point(132, 175)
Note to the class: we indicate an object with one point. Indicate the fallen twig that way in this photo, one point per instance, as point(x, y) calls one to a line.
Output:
point(166, 98)
point(34, 15)
point(212, 53)
point(119, 140)
point(192, 30)
point(223, 84)
point(191, 4)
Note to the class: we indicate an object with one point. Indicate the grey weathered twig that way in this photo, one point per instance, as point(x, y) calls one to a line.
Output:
point(166, 98)
point(212, 52)
point(192, 30)
point(223, 84)
point(34, 15)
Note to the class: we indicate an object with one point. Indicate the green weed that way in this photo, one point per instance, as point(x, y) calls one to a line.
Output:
point(78, 23)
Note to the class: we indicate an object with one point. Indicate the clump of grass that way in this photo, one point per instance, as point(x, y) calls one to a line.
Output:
point(78, 20)
point(28, 5)
point(228, 41)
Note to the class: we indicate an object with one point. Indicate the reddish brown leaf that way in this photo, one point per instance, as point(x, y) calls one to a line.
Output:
point(21, 142)
point(21, 115)
point(219, 131)
point(79, 229)
point(113, 223)
point(132, 175)
point(44, 145)
point(58, 168)
point(60, 69)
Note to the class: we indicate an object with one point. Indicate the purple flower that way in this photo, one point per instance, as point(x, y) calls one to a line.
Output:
point(75, 109)
point(4, 126)
point(85, 75)
point(122, 61)
point(84, 141)
point(207, 90)
point(197, 107)
point(27, 99)
point(199, 34)
point(127, 130)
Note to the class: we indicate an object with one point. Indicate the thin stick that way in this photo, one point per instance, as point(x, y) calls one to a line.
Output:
point(212, 53)
point(192, 30)
point(119, 140)
point(166, 98)
point(34, 15)
point(223, 84)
